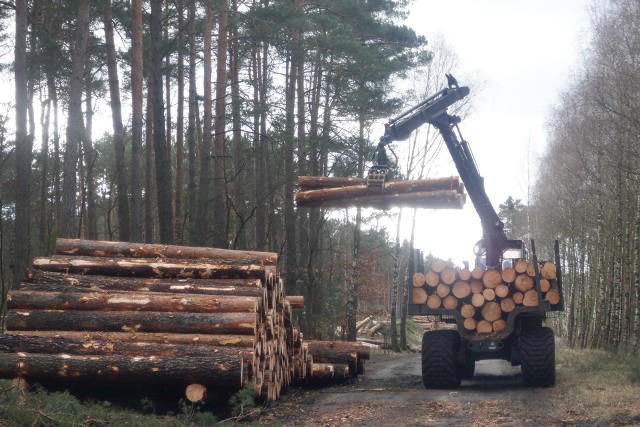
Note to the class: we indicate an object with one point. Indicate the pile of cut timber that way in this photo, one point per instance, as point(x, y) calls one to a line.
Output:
point(336, 192)
point(154, 314)
point(337, 359)
point(484, 298)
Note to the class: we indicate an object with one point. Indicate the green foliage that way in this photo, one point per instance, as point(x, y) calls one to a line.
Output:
point(514, 215)
point(242, 400)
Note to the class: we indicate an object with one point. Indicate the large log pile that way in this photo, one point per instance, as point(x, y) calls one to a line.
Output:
point(158, 314)
point(336, 192)
point(484, 299)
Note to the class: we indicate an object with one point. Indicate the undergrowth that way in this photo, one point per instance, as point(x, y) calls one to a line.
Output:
point(38, 407)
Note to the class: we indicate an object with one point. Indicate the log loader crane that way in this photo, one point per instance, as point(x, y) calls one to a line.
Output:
point(448, 356)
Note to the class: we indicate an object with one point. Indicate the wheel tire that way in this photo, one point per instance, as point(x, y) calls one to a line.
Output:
point(537, 348)
point(438, 359)
point(467, 369)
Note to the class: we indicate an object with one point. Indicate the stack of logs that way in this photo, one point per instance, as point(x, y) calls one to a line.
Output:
point(155, 314)
point(336, 192)
point(484, 298)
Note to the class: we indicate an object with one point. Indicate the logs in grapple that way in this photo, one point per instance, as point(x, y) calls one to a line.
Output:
point(336, 192)
point(484, 299)
point(159, 314)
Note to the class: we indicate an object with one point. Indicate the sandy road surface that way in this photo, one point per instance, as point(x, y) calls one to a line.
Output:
point(391, 393)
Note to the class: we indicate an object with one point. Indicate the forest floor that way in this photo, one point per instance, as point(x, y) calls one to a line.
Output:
point(593, 388)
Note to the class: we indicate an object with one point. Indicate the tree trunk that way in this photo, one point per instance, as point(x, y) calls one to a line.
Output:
point(162, 163)
point(239, 161)
point(179, 197)
point(136, 122)
point(90, 157)
point(219, 166)
point(24, 144)
point(203, 223)
point(149, 189)
point(75, 126)
point(192, 132)
point(118, 129)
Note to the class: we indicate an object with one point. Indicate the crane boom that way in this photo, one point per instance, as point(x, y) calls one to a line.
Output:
point(434, 112)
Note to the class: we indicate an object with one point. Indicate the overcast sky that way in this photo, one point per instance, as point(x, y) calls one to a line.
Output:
point(526, 51)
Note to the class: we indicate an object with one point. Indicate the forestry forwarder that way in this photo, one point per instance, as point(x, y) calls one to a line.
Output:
point(448, 356)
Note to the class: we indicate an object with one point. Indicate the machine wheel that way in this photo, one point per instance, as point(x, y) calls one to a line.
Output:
point(438, 359)
point(537, 348)
point(467, 369)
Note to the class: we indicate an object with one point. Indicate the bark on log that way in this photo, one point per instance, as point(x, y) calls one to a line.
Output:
point(418, 296)
point(148, 337)
point(10, 343)
point(316, 182)
point(450, 302)
point(111, 283)
point(448, 276)
point(79, 247)
point(491, 278)
point(119, 321)
point(222, 371)
point(363, 322)
point(340, 347)
point(491, 311)
point(131, 301)
point(432, 279)
point(296, 301)
point(418, 279)
point(377, 199)
point(322, 196)
point(142, 267)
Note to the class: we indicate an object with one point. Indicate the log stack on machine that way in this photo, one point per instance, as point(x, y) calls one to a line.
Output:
point(483, 299)
point(198, 318)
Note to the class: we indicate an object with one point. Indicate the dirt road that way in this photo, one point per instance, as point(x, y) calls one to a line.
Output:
point(391, 393)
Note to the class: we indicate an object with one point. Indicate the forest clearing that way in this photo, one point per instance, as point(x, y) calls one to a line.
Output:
point(175, 129)
point(594, 388)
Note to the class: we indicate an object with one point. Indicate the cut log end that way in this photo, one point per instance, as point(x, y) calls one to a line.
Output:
point(195, 393)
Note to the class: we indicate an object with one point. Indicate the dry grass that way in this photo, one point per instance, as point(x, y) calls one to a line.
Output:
point(603, 385)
